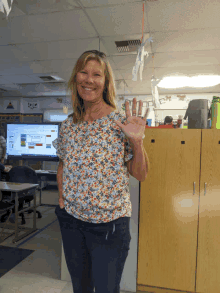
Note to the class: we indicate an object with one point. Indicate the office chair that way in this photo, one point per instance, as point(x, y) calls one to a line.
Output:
point(5, 207)
point(24, 174)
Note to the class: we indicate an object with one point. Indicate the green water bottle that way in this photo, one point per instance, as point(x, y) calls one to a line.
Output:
point(214, 111)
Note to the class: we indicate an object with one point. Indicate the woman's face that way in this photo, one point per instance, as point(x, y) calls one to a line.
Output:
point(91, 81)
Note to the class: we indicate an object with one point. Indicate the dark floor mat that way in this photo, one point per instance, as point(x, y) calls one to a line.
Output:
point(10, 257)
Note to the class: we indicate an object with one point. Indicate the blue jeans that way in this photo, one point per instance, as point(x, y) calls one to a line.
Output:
point(95, 253)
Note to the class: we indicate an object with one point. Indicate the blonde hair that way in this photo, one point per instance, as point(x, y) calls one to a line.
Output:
point(109, 90)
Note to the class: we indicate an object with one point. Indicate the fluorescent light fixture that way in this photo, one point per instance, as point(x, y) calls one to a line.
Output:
point(185, 81)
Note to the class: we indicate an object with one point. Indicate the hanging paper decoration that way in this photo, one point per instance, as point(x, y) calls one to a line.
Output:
point(140, 60)
point(5, 7)
point(155, 93)
point(141, 53)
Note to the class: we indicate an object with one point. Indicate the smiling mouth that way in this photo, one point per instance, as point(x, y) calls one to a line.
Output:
point(87, 89)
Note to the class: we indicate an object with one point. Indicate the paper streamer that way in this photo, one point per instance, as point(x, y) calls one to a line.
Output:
point(140, 60)
point(4, 6)
point(155, 93)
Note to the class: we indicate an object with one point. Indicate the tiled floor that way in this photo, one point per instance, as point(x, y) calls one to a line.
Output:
point(40, 272)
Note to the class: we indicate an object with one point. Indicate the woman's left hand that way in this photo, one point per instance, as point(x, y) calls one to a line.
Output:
point(134, 127)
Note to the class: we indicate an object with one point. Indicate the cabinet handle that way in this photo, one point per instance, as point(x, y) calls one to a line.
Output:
point(194, 187)
point(205, 189)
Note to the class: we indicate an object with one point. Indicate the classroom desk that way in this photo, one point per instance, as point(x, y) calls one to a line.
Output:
point(51, 176)
point(16, 190)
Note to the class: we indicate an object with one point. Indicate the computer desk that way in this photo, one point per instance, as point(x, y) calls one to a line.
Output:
point(51, 176)
point(16, 190)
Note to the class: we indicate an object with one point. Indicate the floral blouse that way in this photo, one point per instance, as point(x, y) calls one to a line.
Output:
point(95, 178)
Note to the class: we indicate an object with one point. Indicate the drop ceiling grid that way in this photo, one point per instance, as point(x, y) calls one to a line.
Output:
point(146, 74)
point(42, 7)
point(187, 14)
point(20, 79)
point(58, 65)
point(194, 20)
point(51, 27)
point(188, 59)
point(138, 87)
point(117, 20)
point(189, 40)
point(102, 3)
point(129, 62)
point(69, 49)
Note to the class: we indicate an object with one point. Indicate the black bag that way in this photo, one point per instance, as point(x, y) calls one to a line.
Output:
point(198, 113)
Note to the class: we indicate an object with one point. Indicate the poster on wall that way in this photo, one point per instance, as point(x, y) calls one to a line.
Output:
point(33, 105)
point(11, 106)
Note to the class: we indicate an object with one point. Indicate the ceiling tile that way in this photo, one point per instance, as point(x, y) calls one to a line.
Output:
point(95, 3)
point(166, 15)
point(42, 7)
point(128, 62)
point(117, 20)
point(38, 28)
point(188, 59)
point(188, 40)
point(20, 79)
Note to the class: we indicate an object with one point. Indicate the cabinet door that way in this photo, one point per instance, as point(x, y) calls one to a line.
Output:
point(208, 263)
point(169, 209)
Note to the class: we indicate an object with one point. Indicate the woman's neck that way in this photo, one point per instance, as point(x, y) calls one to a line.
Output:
point(99, 113)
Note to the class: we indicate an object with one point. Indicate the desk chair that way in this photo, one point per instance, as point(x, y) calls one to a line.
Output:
point(5, 207)
point(24, 174)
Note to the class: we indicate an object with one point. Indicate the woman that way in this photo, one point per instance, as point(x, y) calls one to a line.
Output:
point(97, 152)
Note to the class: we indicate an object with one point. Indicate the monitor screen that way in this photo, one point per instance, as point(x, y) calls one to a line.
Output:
point(31, 140)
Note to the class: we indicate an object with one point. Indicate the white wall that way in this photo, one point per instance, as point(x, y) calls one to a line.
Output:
point(173, 108)
point(22, 105)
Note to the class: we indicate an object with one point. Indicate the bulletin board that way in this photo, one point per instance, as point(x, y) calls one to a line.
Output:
point(31, 118)
point(4, 118)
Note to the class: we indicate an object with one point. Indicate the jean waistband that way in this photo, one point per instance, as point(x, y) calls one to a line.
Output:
point(102, 226)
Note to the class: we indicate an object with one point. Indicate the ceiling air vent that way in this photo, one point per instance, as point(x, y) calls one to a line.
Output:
point(128, 46)
point(47, 78)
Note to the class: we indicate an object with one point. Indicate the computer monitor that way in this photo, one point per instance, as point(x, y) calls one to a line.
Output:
point(31, 141)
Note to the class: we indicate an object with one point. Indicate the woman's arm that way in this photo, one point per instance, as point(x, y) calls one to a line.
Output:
point(138, 166)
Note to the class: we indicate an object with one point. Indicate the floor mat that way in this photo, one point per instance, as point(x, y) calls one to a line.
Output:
point(10, 257)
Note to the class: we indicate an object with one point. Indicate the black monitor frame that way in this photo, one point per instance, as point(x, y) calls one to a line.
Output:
point(31, 157)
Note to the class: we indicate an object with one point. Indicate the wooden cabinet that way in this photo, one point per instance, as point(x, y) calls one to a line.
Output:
point(179, 226)
point(208, 264)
